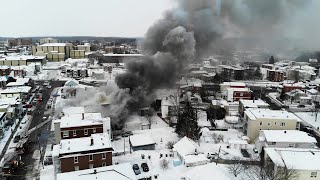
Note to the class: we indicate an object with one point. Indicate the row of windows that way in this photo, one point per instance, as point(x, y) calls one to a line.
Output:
point(76, 168)
point(269, 124)
point(76, 158)
point(74, 132)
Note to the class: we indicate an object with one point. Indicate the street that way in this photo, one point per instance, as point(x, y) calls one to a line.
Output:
point(38, 139)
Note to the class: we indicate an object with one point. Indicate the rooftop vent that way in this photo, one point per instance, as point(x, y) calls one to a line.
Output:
point(91, 144)
point(285, 132)
point(312, 153)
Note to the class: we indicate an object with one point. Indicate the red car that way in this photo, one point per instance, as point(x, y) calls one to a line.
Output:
point(27, 106)
point(40, 98)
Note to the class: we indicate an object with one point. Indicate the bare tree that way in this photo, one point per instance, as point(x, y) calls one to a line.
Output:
point(170, 144)
point(148, 115)
point(269, 171)
point(315, 106)
point(164, 164)
point(217, 137)
point(236, 168)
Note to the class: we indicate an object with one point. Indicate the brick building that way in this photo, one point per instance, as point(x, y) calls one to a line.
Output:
point(81, 125)
point(5, 70)
point(84, 153)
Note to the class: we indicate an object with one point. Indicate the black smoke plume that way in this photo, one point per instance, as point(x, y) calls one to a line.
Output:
point(186, 33)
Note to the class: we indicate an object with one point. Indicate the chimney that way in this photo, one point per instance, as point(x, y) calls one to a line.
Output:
point(82, 116)
point(91, 144)
point(285, 132)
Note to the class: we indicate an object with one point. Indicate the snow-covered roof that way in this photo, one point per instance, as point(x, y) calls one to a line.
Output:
point(300, 159)
point(194, 158)
point(257, 113)
point(237, 141)
point(253, 103)
point(185, 146)
point(9, 101)
point(71, 83)
point(238, 84)
point(53, 44)
point(115, 172)
point(312, 91)
point(73, 110)
point(141, 140)
point(288, 136)
point(20, 89)
point(82, 122)
point(309, 118)
point(77, 145)
point(12, 84)
point(207, 172)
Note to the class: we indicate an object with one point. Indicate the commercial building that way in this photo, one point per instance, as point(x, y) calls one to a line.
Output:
point(21, 60)
point(20, 42)
point(48, 40)
point(266, 119)
point(236, 94)
point(83, 153)
point(53, 51)
point(141, 142)
point(304, 161)
point(284, 139)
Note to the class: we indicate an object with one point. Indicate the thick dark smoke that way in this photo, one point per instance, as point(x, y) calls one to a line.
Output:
point(189, 31)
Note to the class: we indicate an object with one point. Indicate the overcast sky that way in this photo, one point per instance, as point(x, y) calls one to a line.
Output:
point(126, 18)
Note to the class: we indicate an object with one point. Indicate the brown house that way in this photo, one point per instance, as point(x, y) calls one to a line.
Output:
point(85, 153)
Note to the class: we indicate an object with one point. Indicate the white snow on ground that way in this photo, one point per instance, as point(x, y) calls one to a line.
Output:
point(310, 118)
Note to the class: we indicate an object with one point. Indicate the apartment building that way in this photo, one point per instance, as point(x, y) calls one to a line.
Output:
point(53, 51)
point(81, 125)
point(236, 94)
point(284, 139)
point(245, 104)
point(83, 153)
point(265, 119)
point(305, 162)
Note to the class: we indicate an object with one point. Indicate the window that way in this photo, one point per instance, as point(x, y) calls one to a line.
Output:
point(104, 164)
point(291, 145)
point(85, 131)
point(275, 123)
point(260, 123)
point(76, 159)
point(273, 143)
point(76, 168)
point(94, 130)
point(241, 94)
point(103, 155)
point(74, 133)
point(91, 157)
point(90, 166)
point(313, 174)
point(282, 124)
point(65, 134)
point(269, 124)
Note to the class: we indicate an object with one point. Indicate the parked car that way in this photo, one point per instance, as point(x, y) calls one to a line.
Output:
point(27, 106)
point(245, 153)
point(212, 155)
point(136, 169)
point(127, 134)
point(16, 139)
point(49, 87)
point(145, 167)
point(301, 106)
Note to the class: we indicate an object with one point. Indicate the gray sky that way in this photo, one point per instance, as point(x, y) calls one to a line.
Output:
point(129, 18)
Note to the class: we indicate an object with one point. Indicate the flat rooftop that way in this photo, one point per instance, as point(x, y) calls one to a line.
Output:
point(288, 136)
point(115, 172)
point(141, 140)
point(73, 110)
point(53, 44)
point(257, 113)
point(253, 103)
point(233, 84)
point(300, 159)
point(78, 145)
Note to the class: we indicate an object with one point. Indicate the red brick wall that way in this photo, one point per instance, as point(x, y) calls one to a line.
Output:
point(237, 95)
point(80, 131)
point(67, 164)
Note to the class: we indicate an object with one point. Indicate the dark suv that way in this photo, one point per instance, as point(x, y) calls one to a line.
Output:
point(145, 167)
point(136, 169)
point(245, 153)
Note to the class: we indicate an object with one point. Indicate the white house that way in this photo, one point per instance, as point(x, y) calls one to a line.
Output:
point(284, 139)
point(304, 161)
point(188, 152)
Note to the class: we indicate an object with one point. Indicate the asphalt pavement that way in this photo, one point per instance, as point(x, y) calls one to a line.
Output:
point(37, 139)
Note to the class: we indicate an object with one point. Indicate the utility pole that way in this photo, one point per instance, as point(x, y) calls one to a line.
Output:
point(218, 155)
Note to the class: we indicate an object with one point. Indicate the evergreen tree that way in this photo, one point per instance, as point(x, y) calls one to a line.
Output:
point(187, 124)
point(271, 60)
point(257, 74)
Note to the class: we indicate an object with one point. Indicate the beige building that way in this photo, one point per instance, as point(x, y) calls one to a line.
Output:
point(53, 51)
point(85, 47)
point(266, 119)
point(77, 54)
point(48, 40)
point(21, 60)
point(304, 161)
